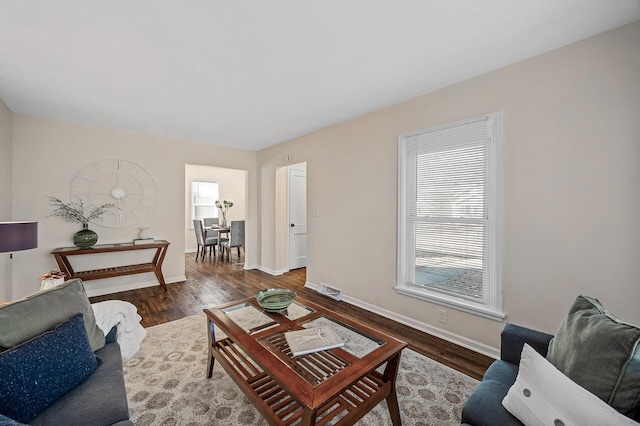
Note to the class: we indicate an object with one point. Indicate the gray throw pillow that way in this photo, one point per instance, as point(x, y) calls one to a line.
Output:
point(43, 311)
point(600, 353)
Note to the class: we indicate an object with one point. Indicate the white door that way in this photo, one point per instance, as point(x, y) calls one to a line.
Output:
point(297, 202)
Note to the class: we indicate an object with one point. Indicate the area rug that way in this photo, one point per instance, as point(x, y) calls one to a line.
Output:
point(167, 385)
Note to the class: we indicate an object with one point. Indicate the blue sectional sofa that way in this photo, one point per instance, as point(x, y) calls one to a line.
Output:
point(587, 374)
point(484, 407)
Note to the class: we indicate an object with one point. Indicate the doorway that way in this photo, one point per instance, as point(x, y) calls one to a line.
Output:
point(297, 216)
point(231, 185)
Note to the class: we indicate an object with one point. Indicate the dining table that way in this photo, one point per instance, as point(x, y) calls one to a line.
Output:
point(219, 230)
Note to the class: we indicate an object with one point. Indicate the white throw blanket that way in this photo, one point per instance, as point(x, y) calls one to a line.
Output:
point(124, 316)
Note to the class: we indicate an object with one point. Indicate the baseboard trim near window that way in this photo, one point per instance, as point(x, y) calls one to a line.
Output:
point(426, 328)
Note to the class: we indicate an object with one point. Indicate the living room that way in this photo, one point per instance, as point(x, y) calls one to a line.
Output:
point(570, 190)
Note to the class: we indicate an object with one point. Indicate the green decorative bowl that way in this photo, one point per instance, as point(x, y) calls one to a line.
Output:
point(275, 299)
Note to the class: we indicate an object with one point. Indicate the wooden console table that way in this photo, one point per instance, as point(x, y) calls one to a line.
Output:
point(154, 266)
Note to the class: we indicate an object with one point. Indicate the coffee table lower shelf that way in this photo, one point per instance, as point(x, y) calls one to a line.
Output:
point(280, 408)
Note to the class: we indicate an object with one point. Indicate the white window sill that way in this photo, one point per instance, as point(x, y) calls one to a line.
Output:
point(452, 303)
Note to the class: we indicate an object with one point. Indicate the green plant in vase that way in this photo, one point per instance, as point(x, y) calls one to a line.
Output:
point(224, 207)
point(78, 213)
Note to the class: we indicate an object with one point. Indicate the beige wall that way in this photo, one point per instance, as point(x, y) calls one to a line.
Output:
point(6, 149)
point(6, 154)
point(571, 174)
point(232, 186)
point(571, 152)
point(47, 154)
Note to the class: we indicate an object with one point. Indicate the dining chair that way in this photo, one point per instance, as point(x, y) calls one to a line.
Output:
point(236, 238)
point(208, 221)
point(204, 242)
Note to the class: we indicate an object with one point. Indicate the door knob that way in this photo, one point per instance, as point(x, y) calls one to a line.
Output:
point(293, 225)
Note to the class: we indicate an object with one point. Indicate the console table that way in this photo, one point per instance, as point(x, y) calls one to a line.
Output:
point(160, 246)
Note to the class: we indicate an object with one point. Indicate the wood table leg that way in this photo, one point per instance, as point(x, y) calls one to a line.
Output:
point(157, 262)
point(220, 249)
point(308, 417)
point(64, 265)
point(390, 374)
point(212, 339)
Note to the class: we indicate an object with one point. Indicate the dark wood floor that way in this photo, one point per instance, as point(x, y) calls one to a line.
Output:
point(212, 282)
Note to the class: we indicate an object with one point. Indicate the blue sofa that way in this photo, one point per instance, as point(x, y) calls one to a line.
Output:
point(588, 373)
point(101, 399)
point(53, 332)
point(484, 406)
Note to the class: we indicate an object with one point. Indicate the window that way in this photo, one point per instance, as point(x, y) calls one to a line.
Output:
point(203, 198)
point(449, 215)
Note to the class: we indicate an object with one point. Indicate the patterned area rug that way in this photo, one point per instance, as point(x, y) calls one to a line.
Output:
point(167, 385)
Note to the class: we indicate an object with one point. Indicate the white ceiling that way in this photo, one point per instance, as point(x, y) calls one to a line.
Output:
point(254, 73)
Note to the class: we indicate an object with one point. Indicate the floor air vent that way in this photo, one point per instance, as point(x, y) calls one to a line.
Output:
point(333, 293)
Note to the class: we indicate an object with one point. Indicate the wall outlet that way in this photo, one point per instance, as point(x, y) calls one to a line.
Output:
point(442, 316)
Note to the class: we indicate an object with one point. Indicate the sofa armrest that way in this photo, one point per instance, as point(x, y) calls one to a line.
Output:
point(513, 338)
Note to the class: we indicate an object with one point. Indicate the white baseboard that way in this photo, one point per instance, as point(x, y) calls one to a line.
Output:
point(427, 328)
point(128, 286)
point(418, 325)
point(267, 270)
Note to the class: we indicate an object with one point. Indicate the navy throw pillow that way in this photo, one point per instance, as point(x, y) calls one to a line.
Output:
point(38, 372)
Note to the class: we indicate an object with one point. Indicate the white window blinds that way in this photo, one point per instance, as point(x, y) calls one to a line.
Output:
point(203, 197)
point(447, 204)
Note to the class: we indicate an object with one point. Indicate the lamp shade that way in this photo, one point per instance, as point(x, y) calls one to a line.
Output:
point(15, 236)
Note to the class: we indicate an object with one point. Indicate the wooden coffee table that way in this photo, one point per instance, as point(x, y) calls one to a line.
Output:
point(336, 386)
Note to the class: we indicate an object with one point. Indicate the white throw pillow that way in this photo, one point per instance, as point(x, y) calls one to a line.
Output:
point(543, 396)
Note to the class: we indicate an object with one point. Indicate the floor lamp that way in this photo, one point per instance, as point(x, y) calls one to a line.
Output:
point(16, 236)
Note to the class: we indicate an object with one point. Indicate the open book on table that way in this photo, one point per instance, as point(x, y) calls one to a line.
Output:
point(310, 340)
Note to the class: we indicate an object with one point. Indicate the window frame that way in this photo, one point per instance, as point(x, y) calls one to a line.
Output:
point(192, 204)
point(492, 306)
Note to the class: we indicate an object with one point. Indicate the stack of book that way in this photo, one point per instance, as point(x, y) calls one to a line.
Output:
point(140, 241)
point(310, 340)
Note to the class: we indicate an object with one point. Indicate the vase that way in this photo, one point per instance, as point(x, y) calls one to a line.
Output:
point(144, 234)
point(85, 237)
point(223, 224)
